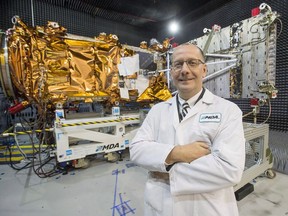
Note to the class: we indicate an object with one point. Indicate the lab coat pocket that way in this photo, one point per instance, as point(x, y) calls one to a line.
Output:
point(154, 195)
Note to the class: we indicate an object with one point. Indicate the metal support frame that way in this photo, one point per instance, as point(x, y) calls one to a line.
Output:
point(77, 138)
point(258, 154)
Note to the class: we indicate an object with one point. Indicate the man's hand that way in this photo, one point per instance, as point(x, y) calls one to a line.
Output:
point(187, 153)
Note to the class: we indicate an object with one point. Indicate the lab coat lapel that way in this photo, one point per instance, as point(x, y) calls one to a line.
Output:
point(194, 110)
point(173, 112)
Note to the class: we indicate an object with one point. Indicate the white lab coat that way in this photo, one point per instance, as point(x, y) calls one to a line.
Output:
point(205, 186)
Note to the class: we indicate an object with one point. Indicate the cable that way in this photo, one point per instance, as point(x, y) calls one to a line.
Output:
point(270, 111)
point(247, 114)
point(281, 27)
point(13, 165)
point(40, 158)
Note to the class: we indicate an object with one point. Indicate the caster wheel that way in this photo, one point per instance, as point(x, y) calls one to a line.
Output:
point(269, 173)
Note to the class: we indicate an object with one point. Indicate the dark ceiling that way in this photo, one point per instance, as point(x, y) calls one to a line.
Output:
point(142, 13)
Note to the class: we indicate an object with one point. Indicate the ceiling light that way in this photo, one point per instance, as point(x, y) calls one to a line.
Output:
point(173, 27)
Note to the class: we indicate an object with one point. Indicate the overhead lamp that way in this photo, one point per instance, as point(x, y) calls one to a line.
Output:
point(173, 27)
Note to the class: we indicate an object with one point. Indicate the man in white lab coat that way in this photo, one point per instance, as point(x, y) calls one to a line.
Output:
point(194, 155)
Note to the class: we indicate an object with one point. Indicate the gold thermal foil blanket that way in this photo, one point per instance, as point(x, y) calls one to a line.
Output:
point(157, 89)
point(49, 66)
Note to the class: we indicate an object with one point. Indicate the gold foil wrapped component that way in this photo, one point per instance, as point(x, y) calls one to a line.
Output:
point(133, 94)
point(111, 38)
point(126, 52)
point(81, 66)
point(166, 44)
point(112, 82)
point(157, 89)
point(53, 28)
point(102, 36)
point(133, 76)
point(48, 66)
point(157, 46)
point(143, 45)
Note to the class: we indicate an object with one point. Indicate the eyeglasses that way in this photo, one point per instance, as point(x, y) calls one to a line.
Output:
point(191, 63)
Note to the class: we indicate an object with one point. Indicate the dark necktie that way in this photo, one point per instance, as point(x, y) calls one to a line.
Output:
point(185, 108)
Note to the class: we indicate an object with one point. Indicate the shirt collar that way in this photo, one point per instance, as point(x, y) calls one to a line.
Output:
point(191, 101)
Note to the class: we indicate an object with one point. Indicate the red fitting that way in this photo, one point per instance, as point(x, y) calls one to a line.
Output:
point(254, 102)
point(255, 11)
point(18, 107)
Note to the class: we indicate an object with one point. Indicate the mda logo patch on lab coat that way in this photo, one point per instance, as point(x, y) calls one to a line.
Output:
point(210, 117)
